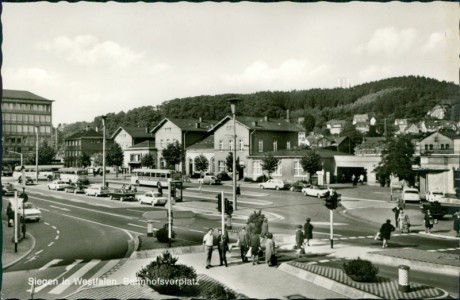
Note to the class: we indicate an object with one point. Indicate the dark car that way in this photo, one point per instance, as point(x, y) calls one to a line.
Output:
point(298, 186)
point(75, 188)
point(29, 180)
point(121, 194)
point(8, 189)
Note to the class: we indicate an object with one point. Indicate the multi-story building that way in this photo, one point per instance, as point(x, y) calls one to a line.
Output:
point(23, 113)
point(435, 142)
point(335, 126)
point(133, 155)
point(88, 141)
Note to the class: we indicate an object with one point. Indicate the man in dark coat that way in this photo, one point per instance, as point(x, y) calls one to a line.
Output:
point(396, 210)
point(243, 241)
point(222, 246)
point(255, 248)
point(299, 238)
point(457, 223)
point(10, 215)
point(264, 228)
point(385, 232)
point(308, 231)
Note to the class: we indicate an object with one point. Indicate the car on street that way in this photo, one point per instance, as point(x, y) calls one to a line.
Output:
point(209, 180)
point(29, 180)
point(152, 198)
point(32, 213)
point(121, 194)
point(8, 189)
point(410, 195)
point(276, 184)
point(75, 188)
point(96, 190)
point(57, 185)
point(433, 196)
point(319, 191)
point(298, 186)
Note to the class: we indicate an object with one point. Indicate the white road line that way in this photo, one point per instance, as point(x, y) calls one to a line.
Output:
point(50, 244)
point(146, 221)
point(82, 271)
point(107, 267)
point(370, 236)
point(50, 263)
point(38, 252)
point(131, 224)
point(40, 208)
point(361, 237)
point(431, 250)
point(46, 223)
point(312, 263)
point(48, 282)
point(77, 200)
point(324, 260)
point(58, 232)
point(442, 250)
point(57, 237)
point(142, 211)
point(200, 231)
point(54, 227)
point(450, 249)
point(61, 208)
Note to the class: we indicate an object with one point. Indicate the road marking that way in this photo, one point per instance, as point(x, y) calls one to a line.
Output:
point(361, 237)
point(102, 224)
point(200, 231)
point(57, 231)
point(48, 282)
point(146, 221)
point(38, 252)
point(450, 249)
point(40, 208)
point(82, 271)
point(131, 224)
point(57, 237)
point(61, 208)
point(370, 236)
point(107, 267)
point(50, 263)
point(77, 200)
point(54, 227)
point(50, 244)
point(323, 260)
point(46, 223)
point(431, 250)
point(136, 210)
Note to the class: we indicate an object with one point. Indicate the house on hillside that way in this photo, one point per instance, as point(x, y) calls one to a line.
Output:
point(203, 147)
point(362, 127)
point(314, 140)
point(335, 126)
point(132, 155)
point(344, 144)
point(438, 112)
point(401, 126)
point(412, 129)
point(253, 135)
point(371, 146)
point(366, 118)
point(184, 131)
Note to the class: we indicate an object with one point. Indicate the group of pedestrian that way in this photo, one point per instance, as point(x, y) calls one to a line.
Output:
point(357, 179)
point(221, 240)
point(303, 237)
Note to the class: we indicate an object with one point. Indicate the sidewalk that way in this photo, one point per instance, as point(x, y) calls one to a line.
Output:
point(25, 246)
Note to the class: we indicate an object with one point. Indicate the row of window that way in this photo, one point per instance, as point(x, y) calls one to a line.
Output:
point(7, 117)
point(431, 147)
point(75, 153)
point(26, 107)
point(8, 128)
point(168, 141)
point(78, 142)
point(260, 145)
point(24, 140)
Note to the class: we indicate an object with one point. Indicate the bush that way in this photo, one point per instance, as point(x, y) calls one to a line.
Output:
point(360, 270)
point(217, 291)
point(162, 234)
point(167, 277)
point(256, 218)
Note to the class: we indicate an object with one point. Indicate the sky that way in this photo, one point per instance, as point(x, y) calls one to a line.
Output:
point(99, 58)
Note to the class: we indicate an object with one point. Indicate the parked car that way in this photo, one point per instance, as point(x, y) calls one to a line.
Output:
point(8, 189)
point(152, 198)
point(30, 212)
point(75, 188)
point(29, 180)
point(298, 186)
point(96, 190)
point(209, 180)
point(121, 194)
point(316, 191)
point(433, 196)
point(57, 185)
point(277, 184)
point(410, 195)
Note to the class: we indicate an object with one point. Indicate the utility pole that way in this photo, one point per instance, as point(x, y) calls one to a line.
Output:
point(36, 155)
point(103, 151)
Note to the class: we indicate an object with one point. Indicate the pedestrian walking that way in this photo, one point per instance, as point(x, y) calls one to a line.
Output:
point(428, 221)
point(457, 224)
point(308, 231)
point(361, 179)
point(299, 239)
point(243, 243)
point(10, 215)
point(353, 179)
point(255, 248)
point(269, 249)
point(208, 241)
point(403, 221)
point(200, 186)
point(222, 246)
point(238, 191)
point(264, 230)
point(160, 190)
point(396, 211)
point(385, 232)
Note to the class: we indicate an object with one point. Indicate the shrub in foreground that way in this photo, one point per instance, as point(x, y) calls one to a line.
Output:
point(360, 270)
point(217, 291)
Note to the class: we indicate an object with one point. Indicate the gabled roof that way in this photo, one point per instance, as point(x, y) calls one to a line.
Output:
point(401, 122)
point(372, 142)
point(341, 139)
point(438, 133)
point(135, 132)
point(187, 124)
point(335, 122)
point(362, 124)
point(313, 139)
point(260, 124)
point(205, 143)
point(89, 133)
point(143, 145)
point(298, 153)
point(22, 95)
point(361, 118)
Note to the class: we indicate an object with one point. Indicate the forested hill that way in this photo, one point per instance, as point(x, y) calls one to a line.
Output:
point(399, 97)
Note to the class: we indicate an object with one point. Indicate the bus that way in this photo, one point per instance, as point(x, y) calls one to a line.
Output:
point(45, 172)
point(153, 177)
point(73, 175)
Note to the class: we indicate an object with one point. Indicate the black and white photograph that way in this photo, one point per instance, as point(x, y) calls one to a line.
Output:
point(227, 150)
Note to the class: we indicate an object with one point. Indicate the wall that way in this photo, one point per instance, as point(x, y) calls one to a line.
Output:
point(124, 139)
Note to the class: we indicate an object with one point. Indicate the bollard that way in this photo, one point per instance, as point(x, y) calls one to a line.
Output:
point(150, 228)
point(403, 279)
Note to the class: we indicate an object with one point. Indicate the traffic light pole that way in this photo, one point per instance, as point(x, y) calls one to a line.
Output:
point(331, 214)
point(222, 201)
point(169, 214)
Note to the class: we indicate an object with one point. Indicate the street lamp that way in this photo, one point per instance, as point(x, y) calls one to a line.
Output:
point(36, 154)
point(103, 150)
point(233, 102)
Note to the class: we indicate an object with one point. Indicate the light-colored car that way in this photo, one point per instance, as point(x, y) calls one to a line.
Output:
point(31, 212)
point(96, 190)
point(433, 196)
point(276, 184)
point(8, 189)
point(316, 191)
point(410, 195)
point(57, 185)
point(152, 198)
point(209, 180)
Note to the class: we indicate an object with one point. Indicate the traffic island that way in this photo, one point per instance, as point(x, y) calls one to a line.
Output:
point(336, 279)
point(25, 246)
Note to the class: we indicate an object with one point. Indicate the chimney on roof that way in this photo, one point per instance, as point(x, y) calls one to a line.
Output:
point(287, 115)
point(146, 129)
point(200, 120)
point(266, 118)
point(97, 129)
point(254, 123)
point(197, 125)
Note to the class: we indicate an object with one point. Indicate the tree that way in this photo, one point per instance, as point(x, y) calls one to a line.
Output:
point(270, 163)
point(173, 154)
point(46, 155)
point(309, 122)
point(84, 160)
point(311, 163)
point(148, 161)
point(201, 163)
point(115, 156)
point(397, 159)
point(97, 159)
point(229, 163)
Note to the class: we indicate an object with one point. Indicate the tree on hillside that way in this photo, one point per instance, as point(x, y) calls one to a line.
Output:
point(148, 161)
point(201, 163)
point(173, 154)
point(311, 163)
point(309, 122)
point(270, 163)
point(84, 160)
point(397, 159)
point(114, 157)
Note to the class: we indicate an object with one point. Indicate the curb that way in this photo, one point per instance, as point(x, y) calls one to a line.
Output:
point(326, 282)
point(174, 251)
point(413, 264)
point(22, 256)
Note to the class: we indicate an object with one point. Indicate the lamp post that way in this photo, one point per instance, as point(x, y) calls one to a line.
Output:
point(36, 154)
point(103, 150)
point(233, 102)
